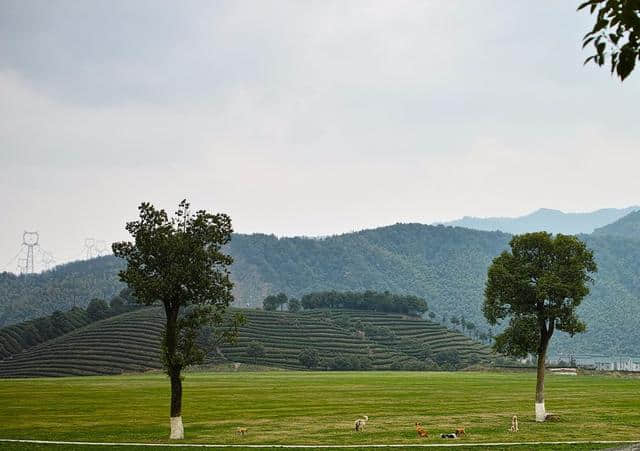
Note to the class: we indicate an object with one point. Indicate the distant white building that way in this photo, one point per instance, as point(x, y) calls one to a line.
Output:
point(619, 365)
point(604, 366)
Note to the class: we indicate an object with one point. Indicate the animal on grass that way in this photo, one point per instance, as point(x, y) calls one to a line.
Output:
point(514, 424)
point(241, 431)
point(450, 435)
point(360, 422)
point(422, 432)
point(552, 417)
point(460, 431)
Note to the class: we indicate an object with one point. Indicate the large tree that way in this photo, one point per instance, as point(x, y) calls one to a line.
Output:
point(538, 285)
point(294, 305)
point(178, 262)
point(615, 36)
point(273, 302)
point(309, 357)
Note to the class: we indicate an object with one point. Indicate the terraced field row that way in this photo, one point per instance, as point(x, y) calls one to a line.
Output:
point(411, 331)
point(126, 343)
point(18, 337)
point(131, 343)
point(326, 332)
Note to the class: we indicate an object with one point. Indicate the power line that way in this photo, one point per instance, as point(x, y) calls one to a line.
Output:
point(13, 259)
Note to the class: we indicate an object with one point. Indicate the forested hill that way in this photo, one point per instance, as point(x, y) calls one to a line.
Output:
point(444, 265)
point(447, 266)
point(626, 227)
point(612, 310)
point(70, 285)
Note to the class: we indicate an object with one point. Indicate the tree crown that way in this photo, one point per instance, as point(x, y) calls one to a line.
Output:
point(538, 284)
point(177, 261)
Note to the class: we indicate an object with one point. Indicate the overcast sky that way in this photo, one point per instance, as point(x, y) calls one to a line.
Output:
point(303, 117)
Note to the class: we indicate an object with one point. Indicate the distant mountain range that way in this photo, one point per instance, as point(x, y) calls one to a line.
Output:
point(445, 265)
point(554, 221)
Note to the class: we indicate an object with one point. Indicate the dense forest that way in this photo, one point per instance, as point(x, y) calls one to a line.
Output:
point(446, 266)
point(627, 227)
point(71, 285)
point(366, 300)
point(612, 309)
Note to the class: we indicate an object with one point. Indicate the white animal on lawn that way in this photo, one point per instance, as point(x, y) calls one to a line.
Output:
point(514, 424)
point(360, 422)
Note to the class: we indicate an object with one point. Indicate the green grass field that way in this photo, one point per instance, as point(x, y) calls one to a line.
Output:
point(287, 407)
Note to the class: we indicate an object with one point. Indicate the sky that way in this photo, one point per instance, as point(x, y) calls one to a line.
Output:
point(302, 117)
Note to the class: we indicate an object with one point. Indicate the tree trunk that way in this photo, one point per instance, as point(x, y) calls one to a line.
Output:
point(542, 354)
point(173, 370)
point(177, 429)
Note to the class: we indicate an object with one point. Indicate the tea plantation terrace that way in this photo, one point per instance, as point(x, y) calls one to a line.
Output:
point(130, 342)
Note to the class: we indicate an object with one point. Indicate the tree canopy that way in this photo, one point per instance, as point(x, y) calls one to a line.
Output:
point(538, 285)
point(615, 36)
point(98, 309)
point(274, 301)
point(294, 305)
point(366, 300)
point(309, 357)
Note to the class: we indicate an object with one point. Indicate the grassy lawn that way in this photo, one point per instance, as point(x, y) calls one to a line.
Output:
point(319, 408)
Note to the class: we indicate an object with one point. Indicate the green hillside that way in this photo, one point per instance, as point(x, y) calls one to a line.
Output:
point(130, 343)
point(70, 285)
point(625, 227)
point(444, 265)
point(612, 310)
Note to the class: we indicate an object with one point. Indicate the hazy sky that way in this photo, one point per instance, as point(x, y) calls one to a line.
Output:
point(303, 117)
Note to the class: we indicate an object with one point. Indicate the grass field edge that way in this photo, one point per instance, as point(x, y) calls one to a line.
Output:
point(319, 446)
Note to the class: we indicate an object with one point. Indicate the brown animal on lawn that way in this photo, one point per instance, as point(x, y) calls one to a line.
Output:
point(460, 431)
point(422, 432)
point(241, 431)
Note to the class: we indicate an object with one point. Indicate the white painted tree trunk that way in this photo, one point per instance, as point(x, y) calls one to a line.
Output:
point(177, 430)
point(541, 414)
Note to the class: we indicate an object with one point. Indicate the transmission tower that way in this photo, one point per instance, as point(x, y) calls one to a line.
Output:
point(29, 241)
point(22, 264)
point(30, 253)
point(90, 247)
